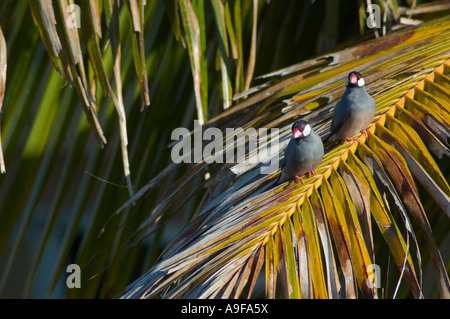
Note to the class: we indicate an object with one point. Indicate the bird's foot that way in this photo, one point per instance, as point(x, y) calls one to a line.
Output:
point(365, 133)
point(298, 179)
point(352, 140)
point(312, 173)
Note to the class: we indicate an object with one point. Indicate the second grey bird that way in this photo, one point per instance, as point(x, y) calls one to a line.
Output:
point(303, 153)
point(354, 112)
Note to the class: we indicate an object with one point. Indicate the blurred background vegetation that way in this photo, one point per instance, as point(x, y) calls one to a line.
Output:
point(60, 190)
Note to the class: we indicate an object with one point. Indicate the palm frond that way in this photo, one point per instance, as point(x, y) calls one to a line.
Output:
point(3, 67)
point(68, 88)
point(316, 239)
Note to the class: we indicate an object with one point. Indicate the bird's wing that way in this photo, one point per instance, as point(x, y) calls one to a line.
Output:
point(289, 152)
point(340, 115)
point(282, 162)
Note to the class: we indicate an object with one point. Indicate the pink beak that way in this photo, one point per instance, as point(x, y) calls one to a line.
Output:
point(353, 79)
point(297, 133)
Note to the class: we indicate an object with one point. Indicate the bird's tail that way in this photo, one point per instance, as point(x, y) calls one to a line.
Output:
point(281, 179)
point(277, 182)
point(327, 138)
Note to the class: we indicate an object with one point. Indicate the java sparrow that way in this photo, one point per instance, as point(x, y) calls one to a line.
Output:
point(354, 112)
point(303, 153)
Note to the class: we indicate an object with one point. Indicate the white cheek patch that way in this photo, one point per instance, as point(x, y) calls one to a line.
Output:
point(361, 82)
point(306, 130)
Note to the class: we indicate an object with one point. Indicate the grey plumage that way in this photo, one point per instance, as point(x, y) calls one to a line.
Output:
point(302, 154)
point(354, 112)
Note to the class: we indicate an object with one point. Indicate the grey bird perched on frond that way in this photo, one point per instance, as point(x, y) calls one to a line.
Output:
point(303, 153)
point(354, 112)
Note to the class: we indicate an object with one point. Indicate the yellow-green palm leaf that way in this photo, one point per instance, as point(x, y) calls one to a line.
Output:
point(316, 240)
